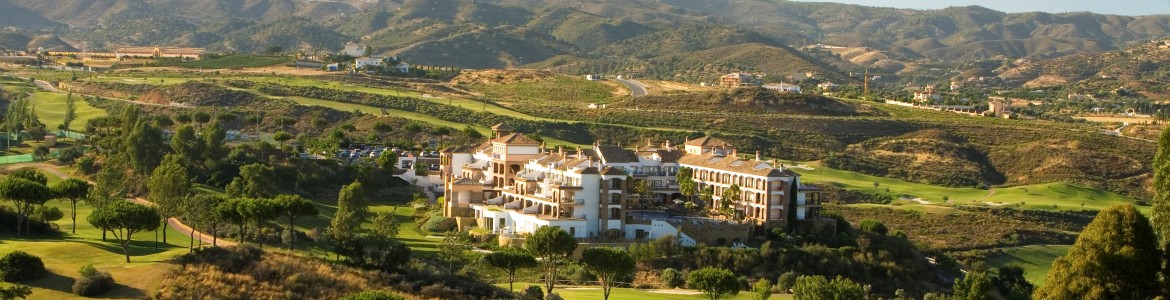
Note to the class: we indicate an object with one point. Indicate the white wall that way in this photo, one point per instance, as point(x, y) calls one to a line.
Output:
point(590, 188)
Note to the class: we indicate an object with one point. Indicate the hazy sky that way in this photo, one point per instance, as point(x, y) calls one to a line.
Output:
point(1120, 7)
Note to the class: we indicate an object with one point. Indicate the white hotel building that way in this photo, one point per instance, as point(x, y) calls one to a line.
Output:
point(510, 185)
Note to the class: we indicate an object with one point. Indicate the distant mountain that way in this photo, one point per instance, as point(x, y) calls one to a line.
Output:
point(971, 32)
point(1142, 69)
point(613, 35)
point(17, 16)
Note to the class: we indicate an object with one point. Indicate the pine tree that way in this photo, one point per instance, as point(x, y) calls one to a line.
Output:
point(1115, 257)
point(1160, 214)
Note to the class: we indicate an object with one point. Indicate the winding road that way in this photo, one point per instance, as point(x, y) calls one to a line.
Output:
point(637, 89)
point(172, 222)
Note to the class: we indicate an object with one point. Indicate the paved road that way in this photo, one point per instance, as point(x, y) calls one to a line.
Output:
point(172, 222)
point(45, 85)
point(637, 89)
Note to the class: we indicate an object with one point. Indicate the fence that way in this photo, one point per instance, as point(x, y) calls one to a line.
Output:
point(26, 158)
point(71, 134)
point(13, 159)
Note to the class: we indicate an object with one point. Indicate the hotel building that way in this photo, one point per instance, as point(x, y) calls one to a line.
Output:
point(511, 186)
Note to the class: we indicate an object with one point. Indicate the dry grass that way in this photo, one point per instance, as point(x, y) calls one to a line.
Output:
point(250, 274)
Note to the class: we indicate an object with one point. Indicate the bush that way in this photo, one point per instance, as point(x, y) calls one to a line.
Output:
point(21, 266)
point(533, 292)
point(439, 224)
point(86, 165)
point(553, 296)
point(576, 274)
point(786, 281)
point(92, 282)
point(70, 155)
point(874, 226)
point(373, 295)
point(672, 278)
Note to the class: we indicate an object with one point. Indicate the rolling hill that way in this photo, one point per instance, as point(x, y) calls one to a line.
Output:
point(617, 36)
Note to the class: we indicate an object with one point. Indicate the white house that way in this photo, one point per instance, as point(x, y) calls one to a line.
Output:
point(354, 49)
point(829, 86)
point(403, 67)
point(363, 62)
point(783, 87)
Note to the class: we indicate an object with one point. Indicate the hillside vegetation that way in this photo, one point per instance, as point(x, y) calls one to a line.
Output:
point(685, 40)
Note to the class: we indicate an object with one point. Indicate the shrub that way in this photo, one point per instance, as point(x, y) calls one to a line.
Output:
point(874, 226)
point(47, 214)
point(92, 282)
point(672, 278)
point(533, 292)
point(786, 281)
point(70, 155)
point(439, 224)
point(86, 165)
point(553, 296)
point(576, 274)
point(373, 295)
point(21, 266)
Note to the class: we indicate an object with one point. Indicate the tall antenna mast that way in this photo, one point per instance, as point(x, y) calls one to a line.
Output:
point(865, 81)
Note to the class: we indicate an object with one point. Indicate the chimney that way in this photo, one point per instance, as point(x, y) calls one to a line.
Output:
point(734, 153)
point(757, 155)
point(578, 150)
point(561, 150)
point(667, 144)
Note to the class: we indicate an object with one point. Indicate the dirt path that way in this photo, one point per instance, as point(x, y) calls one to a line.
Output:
point(172, 222)
point(44, 85)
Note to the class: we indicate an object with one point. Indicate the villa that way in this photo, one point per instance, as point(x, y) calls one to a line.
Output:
point(511, 185)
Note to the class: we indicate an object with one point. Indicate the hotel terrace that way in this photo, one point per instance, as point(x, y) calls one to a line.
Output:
point(511, 185)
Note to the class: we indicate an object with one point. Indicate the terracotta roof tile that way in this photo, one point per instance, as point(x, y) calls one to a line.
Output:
point(734, 164)
point(615, 154)
point(516, 139)
point(503, 127)
point(611, 171)
point(708, 141)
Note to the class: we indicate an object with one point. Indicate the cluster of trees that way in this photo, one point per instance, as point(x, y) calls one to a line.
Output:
point(554, 248)
point(1121, 254)
point(28, 191)
point(21, 116)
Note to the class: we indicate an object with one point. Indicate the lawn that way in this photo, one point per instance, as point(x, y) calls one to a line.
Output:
point(1035, 259)
point(235, 61)
point(408, 232)
point(302, 81)
point(14, 85)
point(551, 142)
point(51, 110)
point(65, 253)
point(594, 292)
point(1048, 196)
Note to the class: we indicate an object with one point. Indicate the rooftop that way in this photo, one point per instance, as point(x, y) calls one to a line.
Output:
point(734, 164)
point(516, 139)
point(502, 127)
point(708, 141)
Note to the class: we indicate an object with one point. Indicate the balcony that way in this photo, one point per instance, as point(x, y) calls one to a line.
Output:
point(648, 174)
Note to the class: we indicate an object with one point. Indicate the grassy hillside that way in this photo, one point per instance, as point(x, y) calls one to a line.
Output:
point(51, 110)
point(498, 47)
point(235, 61)
point(64, 254)
point(1036, 260)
